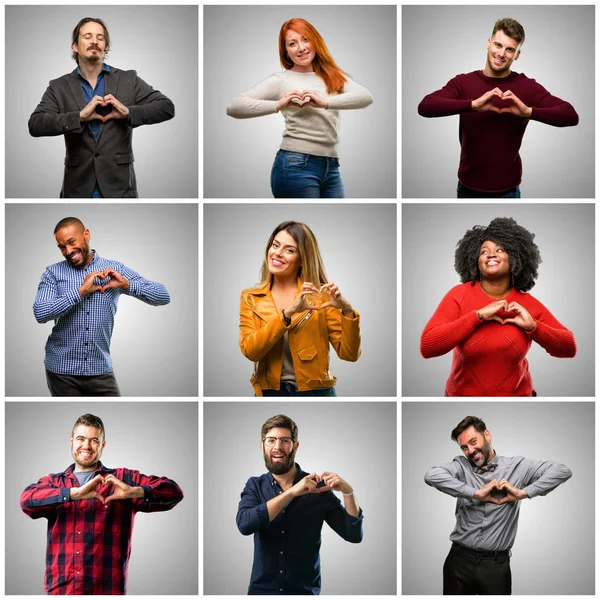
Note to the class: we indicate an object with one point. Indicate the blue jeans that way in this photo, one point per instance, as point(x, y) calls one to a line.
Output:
point(298, 175)
point(465, 192)
point(289, 389)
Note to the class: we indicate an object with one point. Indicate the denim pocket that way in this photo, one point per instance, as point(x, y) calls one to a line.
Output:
point(294, 161)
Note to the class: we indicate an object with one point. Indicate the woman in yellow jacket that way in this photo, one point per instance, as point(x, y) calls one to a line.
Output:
point(289, 319)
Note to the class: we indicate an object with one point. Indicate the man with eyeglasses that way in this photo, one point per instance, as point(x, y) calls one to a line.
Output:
point(488, 489)
point(285, 510)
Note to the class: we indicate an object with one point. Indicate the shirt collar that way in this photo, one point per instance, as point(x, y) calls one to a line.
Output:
point(105, 69)
point(299, 475)
point(100, 468)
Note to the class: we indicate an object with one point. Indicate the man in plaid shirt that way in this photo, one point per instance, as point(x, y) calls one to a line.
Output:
point(80, 294)
point(90, 510)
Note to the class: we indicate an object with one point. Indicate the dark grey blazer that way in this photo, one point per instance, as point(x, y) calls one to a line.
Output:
point(110, 159)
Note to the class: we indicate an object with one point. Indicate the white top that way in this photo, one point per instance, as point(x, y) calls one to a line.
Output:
point(309, 130)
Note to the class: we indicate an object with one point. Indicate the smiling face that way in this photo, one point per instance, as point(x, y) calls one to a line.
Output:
point(283, 257)
point(476, 446)
point(73, 243)
point(502, 51)
point(87, 444)
point(91, 43)
point(493, 261)
point(300, 51)
point(281, 455)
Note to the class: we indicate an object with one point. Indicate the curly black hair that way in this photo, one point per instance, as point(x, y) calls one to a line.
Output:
point(524, 255)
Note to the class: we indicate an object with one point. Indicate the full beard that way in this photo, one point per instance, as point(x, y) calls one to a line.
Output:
point(486, 453)
point(280, 467)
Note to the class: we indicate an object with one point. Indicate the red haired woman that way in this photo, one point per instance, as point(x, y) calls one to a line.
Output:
point(310, 92)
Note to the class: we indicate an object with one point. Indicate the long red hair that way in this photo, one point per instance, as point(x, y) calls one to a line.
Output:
point(323, 64)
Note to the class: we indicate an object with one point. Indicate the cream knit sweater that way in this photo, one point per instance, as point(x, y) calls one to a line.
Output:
point(309, 130)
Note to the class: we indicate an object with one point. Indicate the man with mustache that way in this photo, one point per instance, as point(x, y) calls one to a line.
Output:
point(80, 294)
point(285, 510)
point(489, 489)
point(90, 510)
point(495, 106)
point(96, 107)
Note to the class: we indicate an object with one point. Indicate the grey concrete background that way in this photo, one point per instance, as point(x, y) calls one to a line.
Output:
point(554, 548)
point(241, 49)
point(565, 235)
point(338, 437)
point(358, 246)
point(154, 348)
point(159, 42)
point(155, 438)
point(439, 42)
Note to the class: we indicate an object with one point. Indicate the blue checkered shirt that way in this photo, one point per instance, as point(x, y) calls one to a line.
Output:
point(80, 340)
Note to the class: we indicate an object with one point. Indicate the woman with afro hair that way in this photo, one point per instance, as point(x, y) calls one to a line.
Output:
point(490, 320)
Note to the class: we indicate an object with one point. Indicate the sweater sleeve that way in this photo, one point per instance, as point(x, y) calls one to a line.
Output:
point(445, 102)
point(550, 334)
point(354, 96)
point(551, 110)
point(258, 101)
point(446, 329)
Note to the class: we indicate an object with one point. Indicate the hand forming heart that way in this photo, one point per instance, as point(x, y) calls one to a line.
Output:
point(310, 297)
point(509, 103)
point(301, 99)
point(311, 484)
point(101, 281)
point(488, 493)
point(103, 109)
point(505, 313)
point(99, 486)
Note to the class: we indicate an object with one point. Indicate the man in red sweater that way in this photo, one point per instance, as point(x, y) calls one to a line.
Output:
point(495, 106)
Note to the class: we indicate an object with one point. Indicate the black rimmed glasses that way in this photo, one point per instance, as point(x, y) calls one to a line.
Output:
point(270, 441)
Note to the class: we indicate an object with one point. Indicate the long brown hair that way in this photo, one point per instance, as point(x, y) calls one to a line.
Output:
point(323, 64)
point(312, 268)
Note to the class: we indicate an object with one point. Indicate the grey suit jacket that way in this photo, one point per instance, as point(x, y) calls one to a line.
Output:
point(110, 159)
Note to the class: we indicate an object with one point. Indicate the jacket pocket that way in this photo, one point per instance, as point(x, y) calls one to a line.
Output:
point(307, 354)
point(71, 160)
point(123, 159)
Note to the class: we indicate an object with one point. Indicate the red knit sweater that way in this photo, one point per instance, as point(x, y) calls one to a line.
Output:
point(489, 358)
point(490, 142)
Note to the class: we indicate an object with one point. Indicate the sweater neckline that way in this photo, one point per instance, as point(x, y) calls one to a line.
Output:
point(510, 77)
point(510, 293)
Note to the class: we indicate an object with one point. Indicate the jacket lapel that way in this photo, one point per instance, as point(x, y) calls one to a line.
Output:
point(265, 307)
point(111, 85)
point(75, 87)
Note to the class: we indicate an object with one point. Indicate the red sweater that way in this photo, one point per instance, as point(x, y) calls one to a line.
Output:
point(490, 142)
point(489, 358)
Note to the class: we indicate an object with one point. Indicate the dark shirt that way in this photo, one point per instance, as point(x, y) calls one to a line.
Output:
point(286, 550)
point(490, 141)
point(88, 93)
point(89, 543)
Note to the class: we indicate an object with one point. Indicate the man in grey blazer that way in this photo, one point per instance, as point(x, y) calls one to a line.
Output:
point(96, 108)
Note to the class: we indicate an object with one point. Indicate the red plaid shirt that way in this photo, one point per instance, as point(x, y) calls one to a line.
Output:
point(89, 543)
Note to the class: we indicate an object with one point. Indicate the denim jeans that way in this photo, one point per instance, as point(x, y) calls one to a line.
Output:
point(298, 175)
point(289, 389)
point(465, 192)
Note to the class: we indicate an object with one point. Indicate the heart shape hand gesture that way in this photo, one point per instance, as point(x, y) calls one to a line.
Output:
point(103, 109)
point(511, 103)
point(101, 281)
point(486, 493)
point(310, 297)
point(92, 489)
point(504, 313)
point(301, 99)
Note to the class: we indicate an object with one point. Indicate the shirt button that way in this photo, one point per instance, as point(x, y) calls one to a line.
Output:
point(87, 328)
point(281, 589)
point(77, 552)
point(96, 155)
point(88, 312)
point(279, 571)
point(77, 572)
point(65, 498)
point(280, 552)
point(283, 531)
point(283, 511)
point(79, 533)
